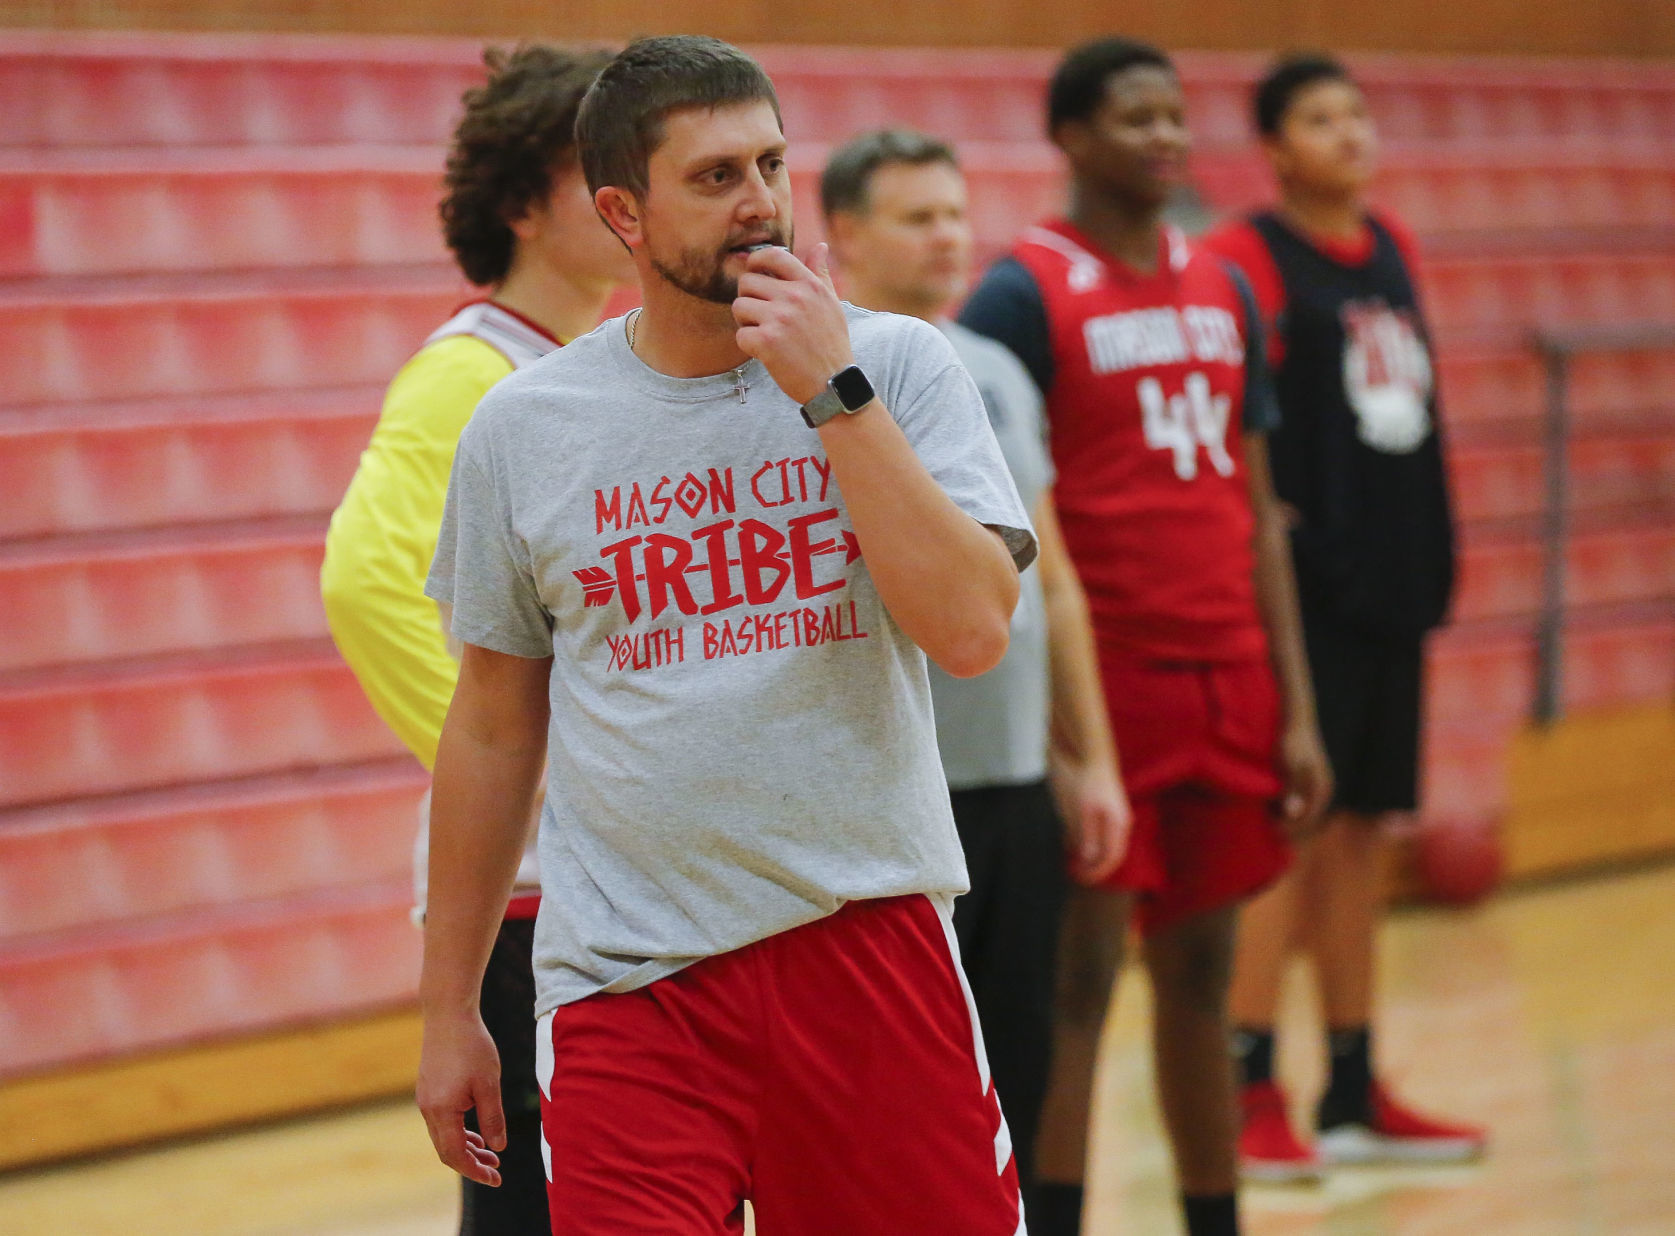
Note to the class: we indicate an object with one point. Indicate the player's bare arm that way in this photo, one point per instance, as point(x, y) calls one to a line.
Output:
point(488, 766)
point(1087, 777)
point(1303, 761)
point(948, 581)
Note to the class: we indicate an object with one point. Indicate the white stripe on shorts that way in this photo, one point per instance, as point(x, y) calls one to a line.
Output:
point(1003, 1136)
point(544, 1065)
point(945, 911)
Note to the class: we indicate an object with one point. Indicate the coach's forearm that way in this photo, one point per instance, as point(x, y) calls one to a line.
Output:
point(948, 581)
point(484, 794)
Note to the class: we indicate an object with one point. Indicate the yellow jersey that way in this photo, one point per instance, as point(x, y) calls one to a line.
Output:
point(383, 534)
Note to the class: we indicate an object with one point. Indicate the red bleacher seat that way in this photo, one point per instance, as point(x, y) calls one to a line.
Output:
point(1497, 296)
point(1498, 578)
point(1610, 663)
point(214, 90)
point(1622, 565)
point(363, 206)
point(356, 207)
point(1485, 677)
point(82, 864)
point(1501, 577)
point(1621, 385)
point(1452, 99)
point(1497, 483)
point(116, 90)
point(1464, 769)
point(1489, 194)
point(109, 729)
point(831, 94)
point(134, 594)
point(78, 995)
point(972, 94)
point(1629, 471)
point(202, 337)
point(1504, 388)
point(1493, 388)
point(98, 214)
point(148, 463)
point(69, 89)
point(1480, 677)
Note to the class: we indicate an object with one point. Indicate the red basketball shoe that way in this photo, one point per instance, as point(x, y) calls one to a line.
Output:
point(1269, 1152)
point(1396, 1134)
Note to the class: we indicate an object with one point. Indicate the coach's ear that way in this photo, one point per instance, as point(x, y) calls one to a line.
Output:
point(621, 213)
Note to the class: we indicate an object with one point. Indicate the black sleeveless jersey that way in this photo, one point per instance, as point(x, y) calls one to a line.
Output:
point(1358, 452)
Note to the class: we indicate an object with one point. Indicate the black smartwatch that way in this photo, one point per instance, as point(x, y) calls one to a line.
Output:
point(848, 391)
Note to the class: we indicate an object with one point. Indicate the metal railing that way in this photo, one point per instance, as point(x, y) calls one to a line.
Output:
point(1558, 348)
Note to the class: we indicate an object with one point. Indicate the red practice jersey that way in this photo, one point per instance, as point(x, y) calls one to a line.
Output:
point(1149, 387)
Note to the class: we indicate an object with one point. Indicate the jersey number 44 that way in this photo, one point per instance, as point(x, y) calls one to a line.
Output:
point(1184, 422)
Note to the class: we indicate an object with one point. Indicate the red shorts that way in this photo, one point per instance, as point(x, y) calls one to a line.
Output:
point(1198, 743)
point(833, 1074)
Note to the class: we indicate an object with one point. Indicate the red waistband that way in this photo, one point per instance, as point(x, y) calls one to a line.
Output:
point(522, 906)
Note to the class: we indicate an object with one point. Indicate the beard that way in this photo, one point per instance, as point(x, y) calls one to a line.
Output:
point(703, 273)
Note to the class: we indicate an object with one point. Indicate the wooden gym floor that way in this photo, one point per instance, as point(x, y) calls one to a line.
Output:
point(1549, 1015)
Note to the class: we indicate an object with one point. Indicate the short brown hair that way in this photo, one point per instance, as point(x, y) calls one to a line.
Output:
point(518, 130)
point(621, 120)
point(847, 179)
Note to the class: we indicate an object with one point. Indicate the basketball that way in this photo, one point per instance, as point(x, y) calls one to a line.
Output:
point(1459, 859)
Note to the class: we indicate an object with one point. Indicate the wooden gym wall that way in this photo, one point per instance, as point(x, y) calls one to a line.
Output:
point(1543, 27)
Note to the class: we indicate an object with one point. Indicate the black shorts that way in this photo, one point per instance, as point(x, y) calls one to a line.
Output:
point(1008, 926)
point(519, 1206)
point(1369, 693)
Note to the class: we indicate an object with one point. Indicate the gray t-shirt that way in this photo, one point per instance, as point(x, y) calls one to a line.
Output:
point(992, 729)
point(741, 736)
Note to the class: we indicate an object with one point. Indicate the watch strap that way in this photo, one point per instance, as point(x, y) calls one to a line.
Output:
point(820, 409)
point(848, 391)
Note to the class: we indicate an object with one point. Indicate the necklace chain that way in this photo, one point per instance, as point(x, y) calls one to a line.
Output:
point(740, 386)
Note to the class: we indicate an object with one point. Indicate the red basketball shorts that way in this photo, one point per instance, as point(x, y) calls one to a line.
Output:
point(1198, 743)
point(833, 1074)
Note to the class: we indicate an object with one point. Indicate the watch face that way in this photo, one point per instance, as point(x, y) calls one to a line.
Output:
point(852, 388)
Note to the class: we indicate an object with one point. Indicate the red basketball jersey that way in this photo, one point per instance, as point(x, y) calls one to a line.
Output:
point(1146, 406)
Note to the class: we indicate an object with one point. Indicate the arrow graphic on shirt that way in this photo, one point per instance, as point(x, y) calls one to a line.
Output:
point(597, 586)
point(851, 547)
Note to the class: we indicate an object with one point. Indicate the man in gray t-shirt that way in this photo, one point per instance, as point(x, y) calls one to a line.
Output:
point(895, 205)
point(698, 559)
